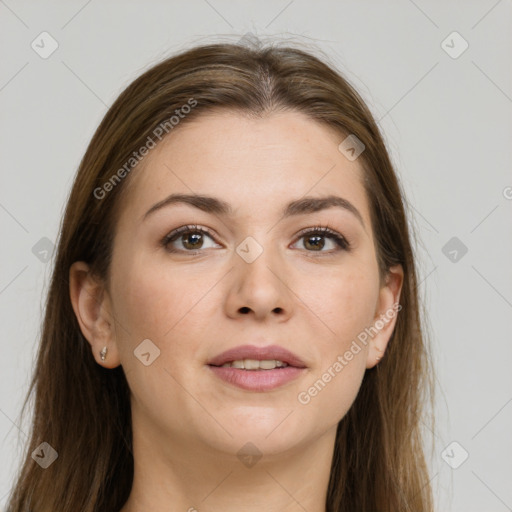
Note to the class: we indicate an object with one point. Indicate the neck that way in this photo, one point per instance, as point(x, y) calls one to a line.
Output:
point(193, 477)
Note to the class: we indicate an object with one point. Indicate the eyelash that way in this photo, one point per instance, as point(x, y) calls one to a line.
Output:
point(325, 231)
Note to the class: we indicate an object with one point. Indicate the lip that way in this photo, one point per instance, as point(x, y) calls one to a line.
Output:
point(260, 353)
point(258, 380)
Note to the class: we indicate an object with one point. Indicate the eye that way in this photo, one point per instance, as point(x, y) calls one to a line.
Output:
point(314, 239)
point(191, 238)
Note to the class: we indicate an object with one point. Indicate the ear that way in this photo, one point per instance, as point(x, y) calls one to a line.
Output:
point(386, 313)
point(91, 304)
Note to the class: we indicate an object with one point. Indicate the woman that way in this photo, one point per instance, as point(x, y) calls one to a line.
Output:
point(233, 320)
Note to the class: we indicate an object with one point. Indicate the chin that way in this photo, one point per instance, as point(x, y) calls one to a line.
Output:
point(270, 435)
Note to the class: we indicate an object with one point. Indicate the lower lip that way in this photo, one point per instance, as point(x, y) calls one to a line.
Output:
point(257, 380)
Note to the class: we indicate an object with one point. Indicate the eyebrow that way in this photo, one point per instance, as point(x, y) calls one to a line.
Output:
point(216, 206)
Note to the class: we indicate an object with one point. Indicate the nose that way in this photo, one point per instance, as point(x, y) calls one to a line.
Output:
point(259, 288)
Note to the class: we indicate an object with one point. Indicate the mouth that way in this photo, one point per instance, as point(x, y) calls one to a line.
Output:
point(256, 368)
point(252, 357)
point(254, 364)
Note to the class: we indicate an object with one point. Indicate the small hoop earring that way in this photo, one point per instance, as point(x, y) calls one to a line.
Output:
point(103, 353)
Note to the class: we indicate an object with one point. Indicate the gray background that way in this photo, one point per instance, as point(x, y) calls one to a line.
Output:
point(446, 120)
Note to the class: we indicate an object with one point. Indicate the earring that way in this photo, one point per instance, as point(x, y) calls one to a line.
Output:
point(103, 353)
point(378, 358)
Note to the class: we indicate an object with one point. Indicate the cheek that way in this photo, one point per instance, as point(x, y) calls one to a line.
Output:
point(146, 304)
point(346, 307)
point(342, 302)
point(159, 302)
point(326, 399)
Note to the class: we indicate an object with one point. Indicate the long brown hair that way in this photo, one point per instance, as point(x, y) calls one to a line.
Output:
point(82, 409)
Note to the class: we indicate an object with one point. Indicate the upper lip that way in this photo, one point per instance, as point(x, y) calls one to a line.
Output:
point(269, 352)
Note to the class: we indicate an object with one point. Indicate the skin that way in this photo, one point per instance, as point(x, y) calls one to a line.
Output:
point(188, 425)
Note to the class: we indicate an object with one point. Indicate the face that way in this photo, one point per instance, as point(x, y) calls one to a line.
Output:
point(252, 275)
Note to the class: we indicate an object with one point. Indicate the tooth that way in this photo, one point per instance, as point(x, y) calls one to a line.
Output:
point(251, 364)
point(255, 364)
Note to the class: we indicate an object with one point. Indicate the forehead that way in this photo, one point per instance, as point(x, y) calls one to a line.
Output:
point(256, 162)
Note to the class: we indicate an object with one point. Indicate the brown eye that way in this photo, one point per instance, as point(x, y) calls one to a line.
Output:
point(314, 240)
point(191, 238)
